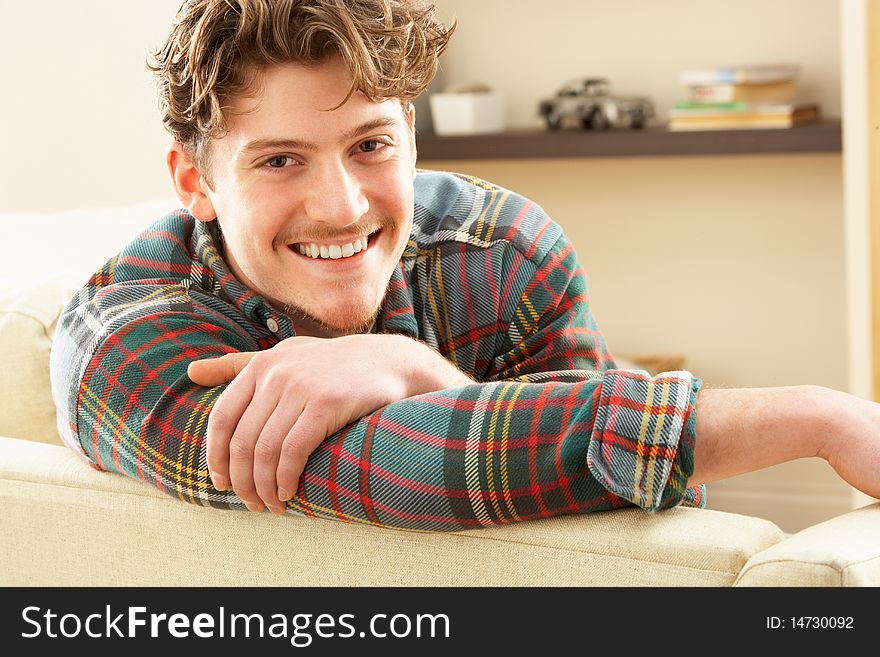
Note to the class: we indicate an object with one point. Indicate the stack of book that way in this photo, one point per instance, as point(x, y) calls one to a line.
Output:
point(745, 97)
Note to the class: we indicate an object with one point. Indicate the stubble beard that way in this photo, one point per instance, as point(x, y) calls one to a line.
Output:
point(356, 316)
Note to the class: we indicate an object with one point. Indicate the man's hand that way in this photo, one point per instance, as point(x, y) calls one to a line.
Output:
point(853, 443)
point(283, 402)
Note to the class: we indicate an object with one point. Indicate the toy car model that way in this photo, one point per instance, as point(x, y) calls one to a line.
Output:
point(588, 101)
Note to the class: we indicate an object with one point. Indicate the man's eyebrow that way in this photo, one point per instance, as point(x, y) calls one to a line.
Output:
point(261, 145)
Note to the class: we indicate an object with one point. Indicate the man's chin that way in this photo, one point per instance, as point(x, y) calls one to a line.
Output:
point(333, 324)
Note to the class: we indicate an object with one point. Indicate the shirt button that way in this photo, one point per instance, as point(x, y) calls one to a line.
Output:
point(272, 325)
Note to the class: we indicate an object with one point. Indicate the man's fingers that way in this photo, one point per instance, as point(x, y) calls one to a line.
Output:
point(222, 423)
point(267, 453)
point(304, 437)
point(212, 372)
point(243, 443)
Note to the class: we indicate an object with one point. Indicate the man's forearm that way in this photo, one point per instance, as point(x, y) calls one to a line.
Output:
point(741, 430)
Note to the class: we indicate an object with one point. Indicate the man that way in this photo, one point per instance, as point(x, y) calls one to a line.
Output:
point(326, 330)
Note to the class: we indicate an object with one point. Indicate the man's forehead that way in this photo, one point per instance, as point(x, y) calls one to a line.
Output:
point(297, 113)
point(317, 89)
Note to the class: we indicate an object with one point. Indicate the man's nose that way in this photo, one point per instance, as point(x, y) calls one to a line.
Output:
point(336, 196)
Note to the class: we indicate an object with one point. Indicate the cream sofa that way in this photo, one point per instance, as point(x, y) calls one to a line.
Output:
point(66, 524)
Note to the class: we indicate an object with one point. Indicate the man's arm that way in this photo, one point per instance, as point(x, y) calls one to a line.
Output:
point(742, 430)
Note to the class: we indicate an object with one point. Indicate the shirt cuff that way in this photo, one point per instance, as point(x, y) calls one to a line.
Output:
point(642, 444)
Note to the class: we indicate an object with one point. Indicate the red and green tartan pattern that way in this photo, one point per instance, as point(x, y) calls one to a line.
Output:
point(487, 280)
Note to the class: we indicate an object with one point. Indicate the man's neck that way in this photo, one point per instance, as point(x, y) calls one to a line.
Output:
point(305, 326)
point(309, 327)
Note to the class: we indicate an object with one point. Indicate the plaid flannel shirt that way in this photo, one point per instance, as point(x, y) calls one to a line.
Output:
point(486, 279)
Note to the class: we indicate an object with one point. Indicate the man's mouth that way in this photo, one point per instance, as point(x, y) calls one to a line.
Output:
point(336, 250)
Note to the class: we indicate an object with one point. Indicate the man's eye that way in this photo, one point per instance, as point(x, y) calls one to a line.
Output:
point(371, 146)
point(277, 161)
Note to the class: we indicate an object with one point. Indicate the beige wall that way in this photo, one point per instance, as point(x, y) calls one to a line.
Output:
point(736, 262)
point(78, 119)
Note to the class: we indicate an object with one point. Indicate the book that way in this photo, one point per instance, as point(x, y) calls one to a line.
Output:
point(738, 75)
point(711, 105)
point(745, 118)
point(765, 92)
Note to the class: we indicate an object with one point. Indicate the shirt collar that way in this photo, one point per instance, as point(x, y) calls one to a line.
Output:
point(216, 277)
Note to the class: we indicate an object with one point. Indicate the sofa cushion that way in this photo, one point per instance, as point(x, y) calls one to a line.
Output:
point(28, 314)
point(843, 551)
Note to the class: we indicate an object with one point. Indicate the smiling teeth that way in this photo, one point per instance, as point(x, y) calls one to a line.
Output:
point(332, 251)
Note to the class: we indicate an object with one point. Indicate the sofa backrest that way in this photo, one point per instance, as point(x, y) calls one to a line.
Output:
point(74, 243)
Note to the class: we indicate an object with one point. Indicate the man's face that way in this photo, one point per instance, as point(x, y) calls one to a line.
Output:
point(315, 206)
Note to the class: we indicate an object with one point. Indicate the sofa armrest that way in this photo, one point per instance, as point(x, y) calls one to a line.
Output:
point(66, 524)
point(843, 551)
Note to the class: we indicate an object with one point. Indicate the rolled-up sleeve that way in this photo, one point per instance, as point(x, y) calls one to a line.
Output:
point(642, 442)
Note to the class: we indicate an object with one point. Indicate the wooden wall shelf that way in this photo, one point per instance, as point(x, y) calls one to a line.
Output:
point(822, 137)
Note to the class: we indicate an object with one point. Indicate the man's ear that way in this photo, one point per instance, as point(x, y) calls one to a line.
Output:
point(411, 117)
point(190, 185)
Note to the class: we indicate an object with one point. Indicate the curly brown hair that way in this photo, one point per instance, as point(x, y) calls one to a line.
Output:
point(217, 49)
